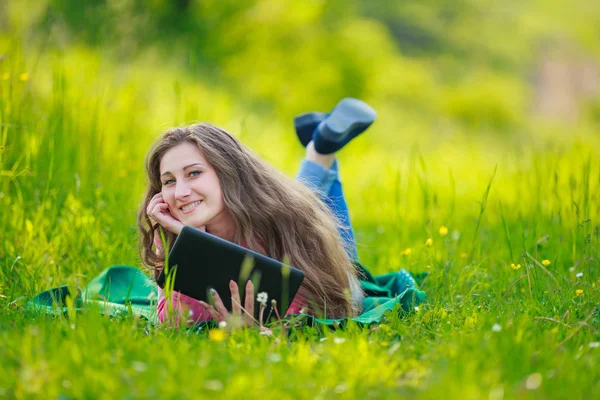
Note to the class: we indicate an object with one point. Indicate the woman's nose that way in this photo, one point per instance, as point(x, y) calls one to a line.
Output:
point(182, 190)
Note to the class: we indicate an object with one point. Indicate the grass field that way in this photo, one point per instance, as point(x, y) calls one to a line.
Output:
point(464, 203)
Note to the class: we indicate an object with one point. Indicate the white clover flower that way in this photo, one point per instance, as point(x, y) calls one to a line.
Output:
point(496, 328)
point(223, 324)
point(339, 340)
point(262, 298)
point(533, 381)
point(579, 274)
point(266, 332)
point(139, 366)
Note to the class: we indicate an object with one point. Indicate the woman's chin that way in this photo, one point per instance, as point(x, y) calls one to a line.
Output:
point(197, 223)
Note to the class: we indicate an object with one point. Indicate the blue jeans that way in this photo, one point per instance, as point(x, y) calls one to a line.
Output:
point(327, 184)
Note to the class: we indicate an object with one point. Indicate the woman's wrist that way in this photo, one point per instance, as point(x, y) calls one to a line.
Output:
point(177, 229)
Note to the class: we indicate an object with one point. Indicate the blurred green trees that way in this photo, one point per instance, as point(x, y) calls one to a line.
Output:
point(472, 61)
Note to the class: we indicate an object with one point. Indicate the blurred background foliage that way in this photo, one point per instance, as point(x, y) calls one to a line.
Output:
point(472, 61)
point(460, 87)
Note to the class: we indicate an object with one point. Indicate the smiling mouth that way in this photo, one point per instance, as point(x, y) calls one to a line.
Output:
point(190, 207)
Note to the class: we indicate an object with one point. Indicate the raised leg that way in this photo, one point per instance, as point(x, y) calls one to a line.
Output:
point(319, 170)
point(327, 184)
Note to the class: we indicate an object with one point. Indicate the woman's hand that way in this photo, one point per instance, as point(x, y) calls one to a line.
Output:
point(159, 211)
point(220, 313)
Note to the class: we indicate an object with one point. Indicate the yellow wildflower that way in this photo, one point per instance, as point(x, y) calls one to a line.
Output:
point(407, 252)
point(545, 263)
point(443, 230)
point(5, 76)
point(470, 322)
point(429, 242)
point(463, 255)
point(515, 267)
point(24, 76)
point(579, 292)
point(216, 335)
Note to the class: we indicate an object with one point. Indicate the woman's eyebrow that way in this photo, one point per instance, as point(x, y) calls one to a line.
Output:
point(191, 165)
point(184, 168)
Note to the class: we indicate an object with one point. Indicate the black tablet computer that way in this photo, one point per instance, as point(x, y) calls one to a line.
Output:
point(200, 261)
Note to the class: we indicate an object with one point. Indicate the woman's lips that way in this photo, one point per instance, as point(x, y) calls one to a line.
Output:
point(190, 207)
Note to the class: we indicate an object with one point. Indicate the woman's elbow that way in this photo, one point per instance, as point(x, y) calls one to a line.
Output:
point(191, 312)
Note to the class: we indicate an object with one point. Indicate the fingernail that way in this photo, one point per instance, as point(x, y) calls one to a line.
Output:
point(213, 292)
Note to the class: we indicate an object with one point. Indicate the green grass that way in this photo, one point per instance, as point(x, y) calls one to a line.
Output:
point(73, 138)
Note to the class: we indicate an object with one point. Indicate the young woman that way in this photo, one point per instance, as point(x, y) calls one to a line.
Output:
point(202, 176)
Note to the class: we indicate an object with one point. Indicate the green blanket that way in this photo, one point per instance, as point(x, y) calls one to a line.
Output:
point(123, 289)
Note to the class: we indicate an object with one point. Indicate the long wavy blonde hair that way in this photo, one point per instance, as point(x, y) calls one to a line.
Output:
point(273, 215)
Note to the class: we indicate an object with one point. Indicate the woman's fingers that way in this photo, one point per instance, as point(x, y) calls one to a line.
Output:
point(162, 215)
point(155, 208)
point(214, 314)
point(236, 303)
point(157, 212)
point(219, 304)
point(219, 313)
point(249, 303)
point(157, 198)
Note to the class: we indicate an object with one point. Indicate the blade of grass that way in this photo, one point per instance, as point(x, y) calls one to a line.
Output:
point(481, 211)
point(506, 234)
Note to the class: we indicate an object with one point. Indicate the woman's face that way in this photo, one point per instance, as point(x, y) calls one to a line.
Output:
point(190, 187)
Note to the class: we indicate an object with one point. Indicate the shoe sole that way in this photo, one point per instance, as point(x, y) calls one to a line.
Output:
point(348, 117)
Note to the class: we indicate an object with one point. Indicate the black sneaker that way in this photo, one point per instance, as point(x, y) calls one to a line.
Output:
point(306, 124)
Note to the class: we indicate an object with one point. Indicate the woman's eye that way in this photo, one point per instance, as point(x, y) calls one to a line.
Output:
point(195, 173)
point(168, 181)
